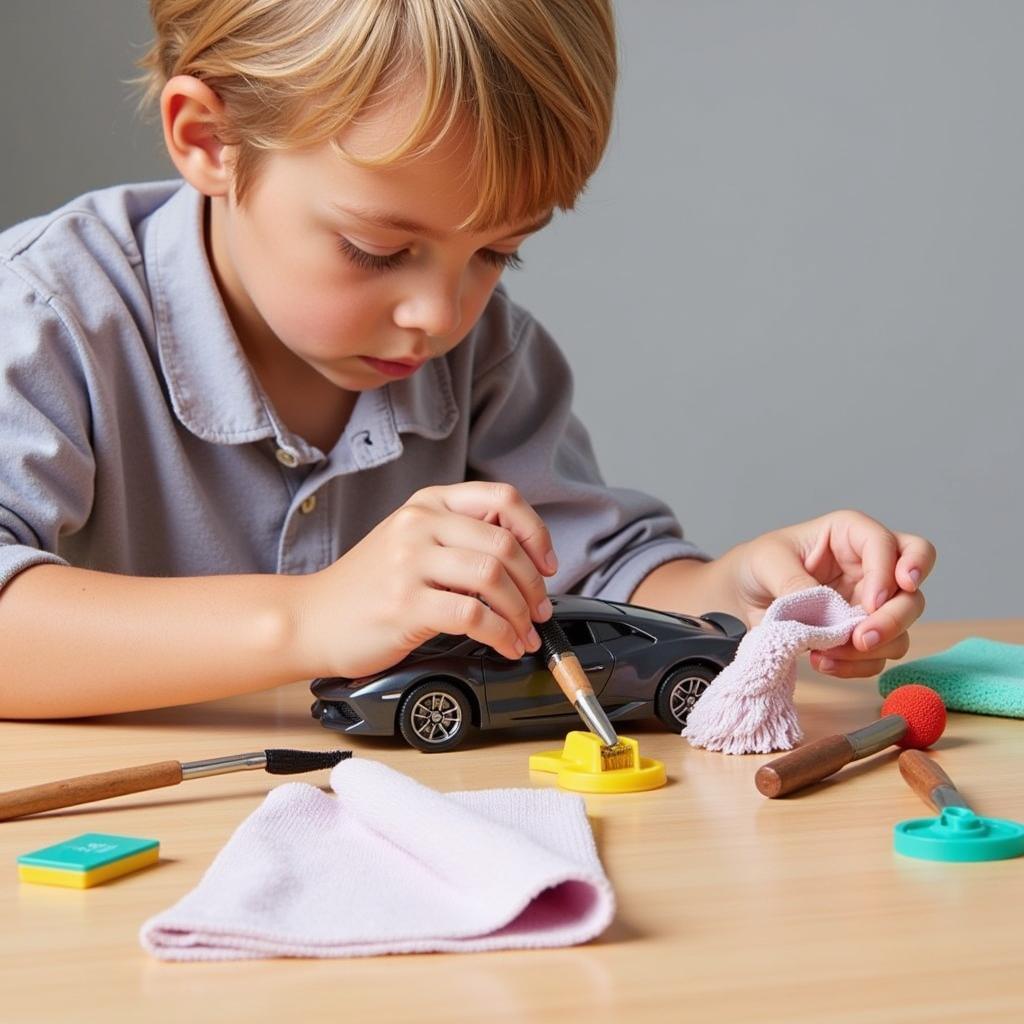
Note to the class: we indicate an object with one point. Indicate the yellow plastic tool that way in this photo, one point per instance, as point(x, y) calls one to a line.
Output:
point(578, 767)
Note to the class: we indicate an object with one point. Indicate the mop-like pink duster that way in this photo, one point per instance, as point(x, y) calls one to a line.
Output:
point(749, 709)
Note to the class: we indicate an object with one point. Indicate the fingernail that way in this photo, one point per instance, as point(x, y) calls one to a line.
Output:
point(883, 596)
point(520, 649)
point(826, 664)
point(915, 575)
point(870, 638)
point(551, 562)
point(543, 610)
point(533, 637)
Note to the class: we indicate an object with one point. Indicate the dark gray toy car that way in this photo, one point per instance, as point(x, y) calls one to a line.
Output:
point(641, 662)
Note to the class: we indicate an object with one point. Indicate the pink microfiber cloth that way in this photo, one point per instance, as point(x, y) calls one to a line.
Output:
point(390, 866)
point(749, 709)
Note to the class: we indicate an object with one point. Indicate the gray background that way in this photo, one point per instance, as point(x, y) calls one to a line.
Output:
point(794, 285)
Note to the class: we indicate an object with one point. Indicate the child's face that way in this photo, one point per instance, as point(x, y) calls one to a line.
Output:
point(309, 262)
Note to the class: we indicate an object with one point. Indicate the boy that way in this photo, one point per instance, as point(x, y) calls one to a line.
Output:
point(279, 420)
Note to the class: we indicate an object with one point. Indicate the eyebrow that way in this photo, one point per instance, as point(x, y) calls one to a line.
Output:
point(395, 223)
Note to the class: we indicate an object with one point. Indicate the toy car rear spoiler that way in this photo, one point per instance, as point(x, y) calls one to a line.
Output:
point(728, 624)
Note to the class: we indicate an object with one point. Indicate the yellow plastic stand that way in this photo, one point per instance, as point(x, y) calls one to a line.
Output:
point(578, 767)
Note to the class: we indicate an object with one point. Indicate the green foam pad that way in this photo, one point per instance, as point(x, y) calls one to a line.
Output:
point(982, 676)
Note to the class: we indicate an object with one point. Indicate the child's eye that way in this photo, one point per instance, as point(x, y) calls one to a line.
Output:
point(502, 260)
point(368, 260)
point(371, 261)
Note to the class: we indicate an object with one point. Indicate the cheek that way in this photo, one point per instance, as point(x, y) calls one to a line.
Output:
point(310, 302)
point(475, 298)
point(325, 323)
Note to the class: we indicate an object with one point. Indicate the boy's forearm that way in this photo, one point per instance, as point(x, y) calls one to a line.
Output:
point(77, 642)
point(691, 587)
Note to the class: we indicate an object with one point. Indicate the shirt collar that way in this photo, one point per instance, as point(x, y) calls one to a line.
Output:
point(213, 389)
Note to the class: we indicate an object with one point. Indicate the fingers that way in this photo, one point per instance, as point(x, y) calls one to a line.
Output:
point(501, 504)
point(499, 557)
point(868, 564)
point(880, 637)
point(849, 669)
point(888, 622)
point(885, 562)
point(847, 662)
point(916, 561)
point(478, 574)
point(462, 615)
point(879, 554)
point(483, 542)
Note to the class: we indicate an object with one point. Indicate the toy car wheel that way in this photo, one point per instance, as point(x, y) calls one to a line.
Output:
point(434, 717)
point(680, 691)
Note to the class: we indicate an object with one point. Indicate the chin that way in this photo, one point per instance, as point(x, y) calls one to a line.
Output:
point(347, 381)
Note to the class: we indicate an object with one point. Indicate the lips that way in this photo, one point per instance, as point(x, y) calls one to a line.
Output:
point(414, 363)
point(393, 367)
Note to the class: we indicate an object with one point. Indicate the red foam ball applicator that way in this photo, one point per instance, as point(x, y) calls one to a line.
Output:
point(924, 712)
point(913, 717)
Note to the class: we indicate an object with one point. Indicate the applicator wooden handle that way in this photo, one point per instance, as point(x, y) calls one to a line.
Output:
point(815, 761)
point(809, 763)
point(86, 788)
point(927, 779)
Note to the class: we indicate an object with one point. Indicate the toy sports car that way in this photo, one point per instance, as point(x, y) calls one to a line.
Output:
point(641, 662)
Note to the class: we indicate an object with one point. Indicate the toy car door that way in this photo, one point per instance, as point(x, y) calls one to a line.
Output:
point(523, 690)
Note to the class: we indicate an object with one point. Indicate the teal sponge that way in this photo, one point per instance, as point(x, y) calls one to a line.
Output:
point(983, 676)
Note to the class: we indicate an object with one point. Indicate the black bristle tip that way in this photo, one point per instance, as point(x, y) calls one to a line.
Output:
point(552, 637)
point(295, 762)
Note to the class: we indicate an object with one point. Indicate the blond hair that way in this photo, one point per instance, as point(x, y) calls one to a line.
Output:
point(533, 79)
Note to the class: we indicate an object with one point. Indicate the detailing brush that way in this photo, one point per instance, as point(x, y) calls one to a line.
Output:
point(86, 788)
point(572, 679)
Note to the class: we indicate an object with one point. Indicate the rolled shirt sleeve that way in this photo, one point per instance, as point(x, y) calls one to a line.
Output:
point(524, 432)
point(46, 483)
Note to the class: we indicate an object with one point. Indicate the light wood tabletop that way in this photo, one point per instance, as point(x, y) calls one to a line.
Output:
point(731, 907)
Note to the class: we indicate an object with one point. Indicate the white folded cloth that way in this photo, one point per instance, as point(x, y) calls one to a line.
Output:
point(391, 866)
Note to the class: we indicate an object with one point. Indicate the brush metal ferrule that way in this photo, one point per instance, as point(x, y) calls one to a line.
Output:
point(220, 765)
point(877, 736)
point(597, 721)
point(947, 796)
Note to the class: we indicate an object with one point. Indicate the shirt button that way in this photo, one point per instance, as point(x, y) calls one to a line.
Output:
point(308, 505)
point(286, 458)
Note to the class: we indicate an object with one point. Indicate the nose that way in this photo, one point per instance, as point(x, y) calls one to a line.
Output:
point(434, 308)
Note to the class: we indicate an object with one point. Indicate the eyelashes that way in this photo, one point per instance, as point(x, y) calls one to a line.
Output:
point(503, 260)
point(370, 261)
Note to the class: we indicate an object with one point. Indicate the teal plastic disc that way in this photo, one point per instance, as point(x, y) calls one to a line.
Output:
point(959, 835)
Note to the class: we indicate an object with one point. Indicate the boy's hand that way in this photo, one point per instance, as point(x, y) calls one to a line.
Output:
point(854, 554)
point(466, 558)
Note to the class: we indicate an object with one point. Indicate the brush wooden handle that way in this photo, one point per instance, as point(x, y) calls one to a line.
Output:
point(809, 763)
point(925, 777)
point(85, 788)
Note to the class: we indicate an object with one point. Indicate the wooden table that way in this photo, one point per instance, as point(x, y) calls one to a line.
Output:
point(731, 907)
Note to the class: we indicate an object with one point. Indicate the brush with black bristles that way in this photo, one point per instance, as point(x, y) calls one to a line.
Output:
point(85, 788)
point(572, 679)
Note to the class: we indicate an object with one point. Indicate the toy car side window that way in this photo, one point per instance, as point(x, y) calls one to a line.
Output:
point(577, 632)
point(607, 630)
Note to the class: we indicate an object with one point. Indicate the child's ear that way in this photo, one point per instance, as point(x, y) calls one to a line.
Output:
point(189, 110)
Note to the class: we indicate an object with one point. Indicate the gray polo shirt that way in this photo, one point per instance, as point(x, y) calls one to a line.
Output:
point(136, 439)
